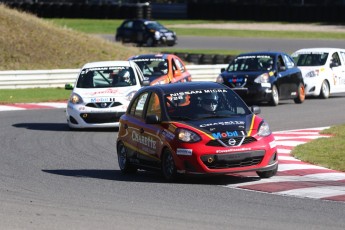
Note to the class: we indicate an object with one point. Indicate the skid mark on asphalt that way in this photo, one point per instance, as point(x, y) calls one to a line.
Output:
point(297, 178)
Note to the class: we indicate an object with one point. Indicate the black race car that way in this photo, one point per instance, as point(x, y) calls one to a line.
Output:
point(264, 77)
point(145, 32)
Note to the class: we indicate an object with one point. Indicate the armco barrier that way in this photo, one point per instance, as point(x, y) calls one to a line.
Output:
point(58, 78)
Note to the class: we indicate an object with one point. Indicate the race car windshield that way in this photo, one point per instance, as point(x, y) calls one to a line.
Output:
point(251, 63)
point(203, 104)
point(154, 25)
point(104, 77)
point(311, 59)
point(152, 67)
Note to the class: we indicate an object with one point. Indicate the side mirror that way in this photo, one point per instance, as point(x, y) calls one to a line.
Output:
point(145, 83)
point(281, 68)
point(152, 119)
point(255, 109)
point(222, 70)
point(69, 86)
point(177, 73)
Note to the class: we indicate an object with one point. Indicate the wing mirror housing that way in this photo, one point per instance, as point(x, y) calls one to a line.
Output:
point(256, 109)
point(152, 119)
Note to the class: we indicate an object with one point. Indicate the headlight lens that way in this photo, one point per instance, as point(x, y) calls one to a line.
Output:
point(220, 79)
point(263, 78)
point(75, 99)
point(313, 73)
point(264, 130)
point(157, 35)
point(186, 135)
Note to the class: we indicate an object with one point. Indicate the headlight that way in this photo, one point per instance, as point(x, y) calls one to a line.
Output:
point(220, 79)
point(263, 78)
point(186, 135)
point(75, 99)
point(130, 95)
point(157, 35)
point(264, 130)
point(159, 83)
point(313, 73)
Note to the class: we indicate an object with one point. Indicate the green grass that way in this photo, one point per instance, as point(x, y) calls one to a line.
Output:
point(107, 26)
point(326, 152)
point(8, 96)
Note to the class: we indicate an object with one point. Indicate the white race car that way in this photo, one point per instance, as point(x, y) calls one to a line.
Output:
point(323, 70)
point(102, 93)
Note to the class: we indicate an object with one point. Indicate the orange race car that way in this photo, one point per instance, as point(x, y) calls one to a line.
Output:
point(162, 68)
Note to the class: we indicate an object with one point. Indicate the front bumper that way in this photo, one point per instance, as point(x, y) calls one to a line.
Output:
point(79, 116)
point(255, 93)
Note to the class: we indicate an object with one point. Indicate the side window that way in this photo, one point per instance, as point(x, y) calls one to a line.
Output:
point(138, 25)
point(289, 62)
point(336, 59)
point(137, 108)
point(342, 54)
point(128, 25)
point(154, 107)
point(179, 64)
point(280, 62)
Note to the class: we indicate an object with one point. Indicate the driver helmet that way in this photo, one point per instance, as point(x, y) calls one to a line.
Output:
point(124, 76)
point(270, 64)
point(163, 66)
point(209, 102)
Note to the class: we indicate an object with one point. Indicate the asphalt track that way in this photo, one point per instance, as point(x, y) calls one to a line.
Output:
point(53, 178)
point(248, 44)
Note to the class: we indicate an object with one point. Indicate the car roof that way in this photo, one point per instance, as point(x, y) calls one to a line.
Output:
point(321, 49)
point(185, 86)
point(261, 53)
point(163, 56)
point(106, 64)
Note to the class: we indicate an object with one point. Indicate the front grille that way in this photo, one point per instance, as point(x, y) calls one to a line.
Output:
point(238, 141)
point(97, 118)
point(233, 160)
point(102, 105)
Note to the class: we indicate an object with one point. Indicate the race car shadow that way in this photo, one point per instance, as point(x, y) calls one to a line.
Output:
point(59, 127)
point(150, 176)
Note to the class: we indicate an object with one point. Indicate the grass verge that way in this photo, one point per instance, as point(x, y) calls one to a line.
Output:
point(326, 152)
point(9, 96)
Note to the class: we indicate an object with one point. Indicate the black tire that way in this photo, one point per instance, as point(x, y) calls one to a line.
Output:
point(267, 174)
point(275, 96)
point(168, 166)
point(324, 91)
point(149, 42)
point(119, 39)
point(300, 94)
point(123, 161)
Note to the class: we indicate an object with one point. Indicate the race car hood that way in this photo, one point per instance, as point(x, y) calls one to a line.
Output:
point(224, 127)
point(107, 94)
point(241, 77)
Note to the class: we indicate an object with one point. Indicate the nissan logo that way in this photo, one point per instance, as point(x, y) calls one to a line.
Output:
point(232, 142)
point(103, 105)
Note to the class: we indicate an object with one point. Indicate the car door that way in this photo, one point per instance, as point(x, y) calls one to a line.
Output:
point(127, 31)
point(138, 31)
point(283, 77)
point(143, 135)
point(338, 68)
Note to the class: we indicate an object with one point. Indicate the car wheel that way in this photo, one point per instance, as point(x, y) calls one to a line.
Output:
point(119, 39)
point(300, 94)
point(123, 161)
point(168, 166)
point(149, 42)
point(268, 174)
point(324, 93)
point(275, 96)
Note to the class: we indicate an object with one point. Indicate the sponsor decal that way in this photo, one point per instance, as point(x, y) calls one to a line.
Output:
point(233, 150)
point(184, 152)
point(179, 95)
point(168, 135)
point(107, 91)
point(101, 99)
point(222, 123)
point(144, 140)
point(148, 59)
point(273, 144)
point(266, 85)
point(225, 134)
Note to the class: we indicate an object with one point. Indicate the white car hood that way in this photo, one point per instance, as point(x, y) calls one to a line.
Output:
point(105, 94)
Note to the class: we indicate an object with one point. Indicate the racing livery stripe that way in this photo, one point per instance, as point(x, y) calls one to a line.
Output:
point(297, 178)
point(210, 136)
point(251, 126)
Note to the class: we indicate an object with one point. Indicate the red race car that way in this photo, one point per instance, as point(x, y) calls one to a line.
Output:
point(162, 68)
point(194, 128)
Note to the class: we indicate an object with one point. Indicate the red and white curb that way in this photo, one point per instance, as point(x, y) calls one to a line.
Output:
point(27, 106)
point(297, 178)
